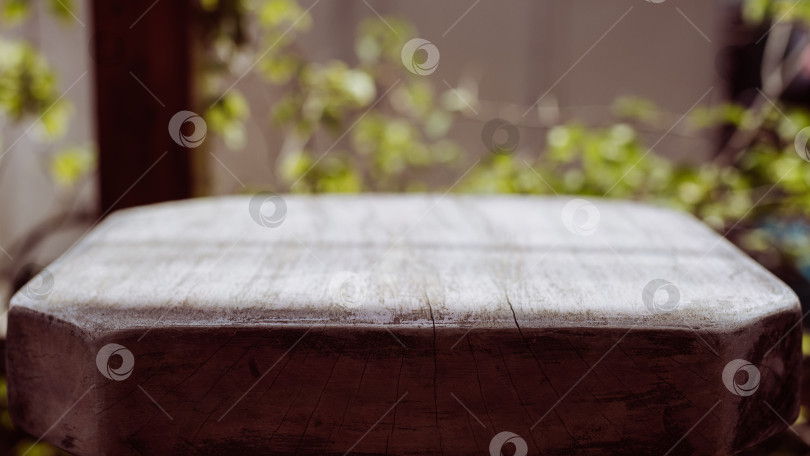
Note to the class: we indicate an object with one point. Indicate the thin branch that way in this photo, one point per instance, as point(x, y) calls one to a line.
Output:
point(21, 247)
point(772, 88)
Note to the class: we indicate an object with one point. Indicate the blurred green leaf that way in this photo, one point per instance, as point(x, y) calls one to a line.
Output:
point(71, 163)
point(14, 11)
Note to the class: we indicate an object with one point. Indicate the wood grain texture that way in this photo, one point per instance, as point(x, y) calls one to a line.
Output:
point(404, 325)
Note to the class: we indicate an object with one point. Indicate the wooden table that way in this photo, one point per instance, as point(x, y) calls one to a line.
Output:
point(403, 325)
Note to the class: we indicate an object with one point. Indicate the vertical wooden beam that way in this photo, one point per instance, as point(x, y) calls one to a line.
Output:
point(142, 54)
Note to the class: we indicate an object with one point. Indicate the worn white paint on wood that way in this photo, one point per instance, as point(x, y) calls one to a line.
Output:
point(477, 315)
point(465, 259)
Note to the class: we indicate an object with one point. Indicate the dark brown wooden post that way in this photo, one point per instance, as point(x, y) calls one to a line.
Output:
point(141, 50)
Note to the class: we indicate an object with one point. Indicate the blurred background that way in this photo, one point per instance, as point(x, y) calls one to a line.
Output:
point(701, 106)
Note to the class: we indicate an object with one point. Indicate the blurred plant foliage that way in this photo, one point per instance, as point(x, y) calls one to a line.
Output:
point(758, 11)
point(766, 181)
point(398, 126)
point(30, 93)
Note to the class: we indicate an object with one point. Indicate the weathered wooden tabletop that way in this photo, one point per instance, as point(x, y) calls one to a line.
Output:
point(403, 325)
